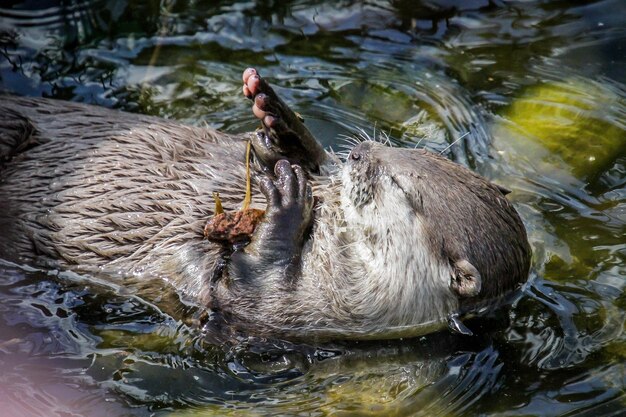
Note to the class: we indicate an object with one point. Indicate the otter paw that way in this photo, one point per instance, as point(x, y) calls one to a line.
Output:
point(267, 105)
point(289, 198)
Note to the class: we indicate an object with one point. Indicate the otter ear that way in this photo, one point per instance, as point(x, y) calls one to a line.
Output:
point(466, 281)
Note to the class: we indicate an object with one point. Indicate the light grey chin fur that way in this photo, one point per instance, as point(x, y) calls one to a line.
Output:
point(387, 236)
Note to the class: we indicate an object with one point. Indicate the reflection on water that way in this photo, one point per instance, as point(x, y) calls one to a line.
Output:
point(538, 90)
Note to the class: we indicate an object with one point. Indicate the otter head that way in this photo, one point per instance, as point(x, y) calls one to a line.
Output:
point(437, 236)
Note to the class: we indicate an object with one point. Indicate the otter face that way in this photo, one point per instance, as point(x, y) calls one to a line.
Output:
point(381, 203)
point(439, 232)
point(383, 182)
point(376, 169)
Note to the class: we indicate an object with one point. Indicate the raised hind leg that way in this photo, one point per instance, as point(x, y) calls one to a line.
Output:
point(284, 135)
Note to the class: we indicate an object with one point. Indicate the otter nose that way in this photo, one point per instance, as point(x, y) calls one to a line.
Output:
point(359, 151)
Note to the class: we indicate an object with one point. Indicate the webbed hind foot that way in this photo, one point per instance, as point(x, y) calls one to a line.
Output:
point(284, 135)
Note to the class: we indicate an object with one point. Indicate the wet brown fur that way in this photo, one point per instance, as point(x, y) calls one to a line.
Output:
point(97, 190)
point(105, 192)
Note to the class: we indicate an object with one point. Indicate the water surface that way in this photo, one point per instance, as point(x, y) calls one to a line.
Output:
point(537, 90)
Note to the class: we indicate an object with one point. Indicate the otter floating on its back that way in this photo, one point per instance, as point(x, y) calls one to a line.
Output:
point(396, 243)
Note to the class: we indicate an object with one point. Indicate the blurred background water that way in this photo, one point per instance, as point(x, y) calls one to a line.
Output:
point(538, 88)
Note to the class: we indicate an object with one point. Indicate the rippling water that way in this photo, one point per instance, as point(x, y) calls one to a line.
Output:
point(537, 90)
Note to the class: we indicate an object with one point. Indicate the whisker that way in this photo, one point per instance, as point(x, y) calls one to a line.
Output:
point(450, 145)
point(363, 135)
point(387, 141)
point(349, 141)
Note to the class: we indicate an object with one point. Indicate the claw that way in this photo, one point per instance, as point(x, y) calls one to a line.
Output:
point(248, 73)
point(456, 325)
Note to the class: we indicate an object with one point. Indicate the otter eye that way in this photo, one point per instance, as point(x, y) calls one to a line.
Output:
point(355, 155)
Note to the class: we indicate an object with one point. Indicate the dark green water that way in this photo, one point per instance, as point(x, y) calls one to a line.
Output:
point(539, 87)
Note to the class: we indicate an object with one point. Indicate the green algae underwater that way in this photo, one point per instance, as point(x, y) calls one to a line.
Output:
point(535, 94)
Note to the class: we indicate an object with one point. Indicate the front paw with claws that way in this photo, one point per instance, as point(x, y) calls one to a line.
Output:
point(289, 207)
point(278, 240)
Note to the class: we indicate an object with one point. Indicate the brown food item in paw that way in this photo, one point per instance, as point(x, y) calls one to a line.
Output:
point(233, 227)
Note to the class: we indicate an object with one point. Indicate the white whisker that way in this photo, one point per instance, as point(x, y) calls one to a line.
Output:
point(450, 145)
point(387, 141)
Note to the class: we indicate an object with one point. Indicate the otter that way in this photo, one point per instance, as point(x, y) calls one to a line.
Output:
point(383, 243)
